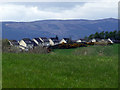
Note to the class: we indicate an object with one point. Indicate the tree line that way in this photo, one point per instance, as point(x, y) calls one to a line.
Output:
point(105, 35)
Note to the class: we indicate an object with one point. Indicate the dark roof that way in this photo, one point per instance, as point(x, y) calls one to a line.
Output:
point(34, 44)
point(14, 42)
point(38, 40)
point(54, 40)
point(27, 40)
point(43, 37)
point(82, 39)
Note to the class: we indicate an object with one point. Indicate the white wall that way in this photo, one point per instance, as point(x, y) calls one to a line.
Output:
point(63, 41)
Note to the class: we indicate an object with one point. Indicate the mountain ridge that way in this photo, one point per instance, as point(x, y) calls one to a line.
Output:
point(63, 28)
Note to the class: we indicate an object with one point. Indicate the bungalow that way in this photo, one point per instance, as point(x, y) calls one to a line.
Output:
point(26, 44)
point(53, 41)
point(80, 40)
point(101, 40)
point(65, 40)
point(45, 41)
point(13, 43)
point(106, 40)
point(110, 40)
point(38, 41)
point(95, 40)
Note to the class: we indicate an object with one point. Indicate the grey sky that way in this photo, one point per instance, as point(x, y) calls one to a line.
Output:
point(31, 11)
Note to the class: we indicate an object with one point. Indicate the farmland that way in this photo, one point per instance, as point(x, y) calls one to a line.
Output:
point(83, 67)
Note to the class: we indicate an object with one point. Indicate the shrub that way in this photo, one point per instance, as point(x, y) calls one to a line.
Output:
point(7, 48)
point(39, 49)
point(5, 45)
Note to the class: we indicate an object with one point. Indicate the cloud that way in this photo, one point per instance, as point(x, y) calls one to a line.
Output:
point(89, 10)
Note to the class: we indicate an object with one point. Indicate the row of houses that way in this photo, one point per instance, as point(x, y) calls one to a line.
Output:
point(26, 43)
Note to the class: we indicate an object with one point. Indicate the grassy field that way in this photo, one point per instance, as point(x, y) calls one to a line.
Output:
point(84, 67)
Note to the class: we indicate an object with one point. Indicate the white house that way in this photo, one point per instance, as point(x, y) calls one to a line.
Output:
point(93, 40)
point(65, 40)
point(53, 41)
point(45, 41)
point(80, 40)
point(110, 40)
point(38, 41)
point(26, 44)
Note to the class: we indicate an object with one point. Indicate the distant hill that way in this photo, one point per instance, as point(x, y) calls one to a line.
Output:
point(63, 28)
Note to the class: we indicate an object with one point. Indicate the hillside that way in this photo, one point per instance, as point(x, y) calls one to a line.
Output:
point(63, 28)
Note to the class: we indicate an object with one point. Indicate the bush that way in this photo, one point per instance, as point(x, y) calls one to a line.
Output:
point(5, 45)
point(39, 49)
point(7, 48)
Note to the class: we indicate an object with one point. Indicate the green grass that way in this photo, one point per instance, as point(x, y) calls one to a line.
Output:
point(62, 68)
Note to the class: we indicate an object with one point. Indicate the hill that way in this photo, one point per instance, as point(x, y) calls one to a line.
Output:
point(63, 28)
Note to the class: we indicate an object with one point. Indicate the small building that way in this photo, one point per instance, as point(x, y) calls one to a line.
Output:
point(106, 40)
point(95, 40)
point(26, 44)
point(110, 40)
point(65, 40)
point(53, 41)
point(80, 40)
point(13, 43)
point(38, 41)
point(45, 41)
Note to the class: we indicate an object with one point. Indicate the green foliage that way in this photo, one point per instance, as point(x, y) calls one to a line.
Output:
point(105, 35)
point(7, 48)
point(5, 43)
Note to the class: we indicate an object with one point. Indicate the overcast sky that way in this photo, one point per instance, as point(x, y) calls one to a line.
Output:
point(24, 11)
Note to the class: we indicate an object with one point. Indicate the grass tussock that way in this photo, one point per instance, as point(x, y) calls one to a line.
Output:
point(97, 50)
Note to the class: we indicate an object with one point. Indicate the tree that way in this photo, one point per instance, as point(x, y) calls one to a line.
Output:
point(96, 35)
point(118, 35)
point(111, 35)
point(102, 35)
point(91, 36)
point(106, 34)
point(115, 34)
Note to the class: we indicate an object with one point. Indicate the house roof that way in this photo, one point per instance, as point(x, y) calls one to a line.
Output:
point(44, 39)
point(27, 40)
point(14, 42)
point(54, 40)
point(34, 43)
point(38, 40)
point(66, 39)
point(82, 39)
